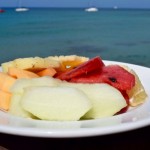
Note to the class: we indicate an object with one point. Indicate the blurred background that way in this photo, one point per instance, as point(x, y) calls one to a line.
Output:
point(113, 29)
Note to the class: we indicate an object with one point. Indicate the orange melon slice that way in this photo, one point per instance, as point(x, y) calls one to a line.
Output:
point(4, 100)
point(47, 72)
point(6, 82)
point(20, 73)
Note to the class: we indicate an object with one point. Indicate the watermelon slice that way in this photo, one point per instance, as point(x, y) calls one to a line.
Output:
point(92, 77)
point(114, 75)
point(118, 77)
point(93, 64)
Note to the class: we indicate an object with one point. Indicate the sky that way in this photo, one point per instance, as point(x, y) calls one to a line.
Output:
point(78, 3)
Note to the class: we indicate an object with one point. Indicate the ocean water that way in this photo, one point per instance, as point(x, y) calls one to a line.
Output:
point(120, 35)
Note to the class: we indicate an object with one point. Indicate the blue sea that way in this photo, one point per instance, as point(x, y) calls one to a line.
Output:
point(119, 35)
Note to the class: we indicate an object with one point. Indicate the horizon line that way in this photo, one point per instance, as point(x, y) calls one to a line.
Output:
point(79, 7)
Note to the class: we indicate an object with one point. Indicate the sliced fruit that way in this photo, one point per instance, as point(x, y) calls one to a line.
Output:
point(114, 75)
point(47, 72)
point(36, 64)
point(126, 97)
point(137, 94)
point(106, 100)
point(20, 73)
point(30, 62)
point(83, 69)
point(18, 89)
point(16, 109)
point(63, 58)
point(118, 77)
point(69, 62)
point(55, 103)
point(20, 84)
point(49, 62)
point(33, 64)
point(4, 100)
point(6, 82)
point(91, 77)
point(7, 65)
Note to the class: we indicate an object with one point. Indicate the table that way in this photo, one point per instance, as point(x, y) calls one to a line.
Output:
point(136, 139)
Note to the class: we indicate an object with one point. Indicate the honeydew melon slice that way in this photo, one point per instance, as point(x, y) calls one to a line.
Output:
point(106, 100)
point(55, 103)
point(20, 84)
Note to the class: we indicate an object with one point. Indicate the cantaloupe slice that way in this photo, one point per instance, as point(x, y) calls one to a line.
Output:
point(6, 82)
point(4, 100)
point(20, 73)
point(47, 72)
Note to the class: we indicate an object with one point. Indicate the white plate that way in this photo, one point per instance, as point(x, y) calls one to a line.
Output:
point(133, 119)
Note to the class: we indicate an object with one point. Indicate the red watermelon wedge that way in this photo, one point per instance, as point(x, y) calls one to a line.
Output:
point(93, 64)
point(114, 75)
point(118, 77)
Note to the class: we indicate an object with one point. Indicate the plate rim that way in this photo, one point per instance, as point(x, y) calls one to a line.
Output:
point(81, 132)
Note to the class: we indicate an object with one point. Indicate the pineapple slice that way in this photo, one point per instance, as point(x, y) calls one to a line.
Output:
point(137, 94)
point(6, 65)
point(49, 62)
point(35, 64)
point(68, 62)
point(31, 63)
point(68, 58)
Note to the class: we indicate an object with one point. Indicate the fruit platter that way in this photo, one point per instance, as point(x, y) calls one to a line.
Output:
point(70, 92)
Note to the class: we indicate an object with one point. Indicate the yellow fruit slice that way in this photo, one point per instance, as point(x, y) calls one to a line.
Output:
point(137, 94)
point(69, 62)
point(34, 64)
